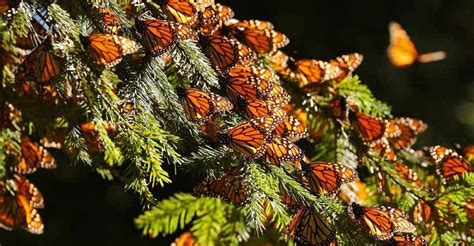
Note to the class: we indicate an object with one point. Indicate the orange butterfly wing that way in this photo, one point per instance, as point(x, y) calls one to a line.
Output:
point(309, 71)
point(401, 51)
point(282, 150)
point(32, 157)
point(107, 50)
point(347, 64)
point(310, 228)
point(326, 178)
point(225, 52)
point(368, 127)
point(449, 163)
point(181, 11)
point(247, 138)
point(41, 65)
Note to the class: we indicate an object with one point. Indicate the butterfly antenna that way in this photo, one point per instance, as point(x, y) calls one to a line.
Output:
point(432, 56)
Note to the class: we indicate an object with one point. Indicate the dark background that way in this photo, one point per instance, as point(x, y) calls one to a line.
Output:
point(84, 209)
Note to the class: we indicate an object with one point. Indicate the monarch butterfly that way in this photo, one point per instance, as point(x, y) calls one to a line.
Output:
point(224, 52)
point(326, 178)
point(249, 85)
point(408, 174)
point(20, 199)
point(402, 51)
point(409, 129)
point(91, 135)
point(109, 21)
point(249, 138)
point(207, 19)
point(254, 73)
point(309, 71)
point(290, 203)
point(370, 128)
point(223, 12)
point(185, 239)
point(107, 50)
point(200, 106)
point(449, 163)
point(382, 147)
point(422, 212)
point(254, 35)
point(160, 36)
point(407, 240)
point(381, 222)
point(230, 187)
point(278, 95)
point(310, 228)
point(292, 128)
point(181, 11)
point(255, 108)
point(347, 64)
point(282, 150)
point(33, 156)
point(279, 62)
point(41, 65)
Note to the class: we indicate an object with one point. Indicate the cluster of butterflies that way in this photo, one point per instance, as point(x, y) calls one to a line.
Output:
point(271, 127)
point(19, 198)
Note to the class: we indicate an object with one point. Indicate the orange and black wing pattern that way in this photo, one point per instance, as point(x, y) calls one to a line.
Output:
point(409, 130)
point(449, 163)
point(347, 64)
point(32, 157)
point(180, 11)
point(258, 35)
point(255, 108)
point(108, 50)
point(407, 240)
point(326, 178)
point(110, 22)
point(199, 106)
point(161, 36)
point(292, 128)
point(19, 201)
point(246, 85)
point(230, 187)
point(380, 222)
point(249, 138)
point(311, 228)
point(309, 71)
point(224, 52)
point(281, 150)
point(41, 66)
point(369, 128)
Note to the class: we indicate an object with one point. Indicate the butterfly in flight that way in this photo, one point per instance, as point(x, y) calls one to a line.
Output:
point(381, 222)
point(326, 178)
point(200, 106)
point(449, 163)
point(20, 199)
point(108, 50)
point(161, 36)
point(230, 187)
point(225, 52)
point(402, 51)
point(310, 228)
point(249, 138)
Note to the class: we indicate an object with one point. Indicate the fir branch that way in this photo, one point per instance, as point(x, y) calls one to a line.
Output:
point(214, 222)
point(194, 65)
point(358, 93)
point(75, 146)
